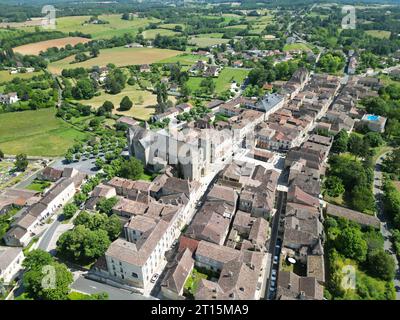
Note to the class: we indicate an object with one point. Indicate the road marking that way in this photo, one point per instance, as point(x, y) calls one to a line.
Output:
point(93, 287)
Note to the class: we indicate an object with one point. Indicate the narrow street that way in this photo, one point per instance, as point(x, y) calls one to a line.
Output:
point(385, 222)
point(273, 250)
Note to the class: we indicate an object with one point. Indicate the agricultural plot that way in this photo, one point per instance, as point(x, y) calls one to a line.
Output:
point(36, 133)
point(381, 34)
point(115, 27)
point(5, 76)
point(207, 41)
point(185, 59)
point(151, 34)
point(172, 26)
point(120, 56)
point(37, 47)
point(296, 46)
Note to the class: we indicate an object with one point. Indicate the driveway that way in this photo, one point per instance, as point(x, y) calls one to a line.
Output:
point(385, 222)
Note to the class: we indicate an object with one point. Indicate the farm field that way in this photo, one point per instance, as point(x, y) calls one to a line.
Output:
point(139, 111)
point(36, 133)
point(36, 48)
point(115, 27)
point(296, 46)
point(381, 34)
point(171, 26)
point(120, 56)
point(151, 34)
point(183, 59)
point(207, 41)
point(6, 76)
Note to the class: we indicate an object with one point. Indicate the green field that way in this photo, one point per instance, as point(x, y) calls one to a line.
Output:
point(151, 33)
point(211, 35)
point(296, 46)
point(138, 111)
point(36, 133)
point(120, 56)
point(224, 80)
point(205, 41)
point(116, 26)
point(171, 26)
point(185, 59)
point(5, 76)
point(381, 34)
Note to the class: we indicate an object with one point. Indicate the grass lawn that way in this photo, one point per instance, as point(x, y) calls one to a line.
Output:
point(193, 281)
point(38, 185)
point(120, 56)
point(296, 46)
point(138, 111)
point(36, 133)
point(116, 26)
point(194, 83)
point(224, 80)
point(151, 33)
point(185, 59)
point(381, 34)
point(5, 76)
point(206, 41)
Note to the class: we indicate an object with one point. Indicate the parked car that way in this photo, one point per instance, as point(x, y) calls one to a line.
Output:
point(276, 259)
point(154, 278)
point(272, 285)
point(175, 243)
point(273, 275)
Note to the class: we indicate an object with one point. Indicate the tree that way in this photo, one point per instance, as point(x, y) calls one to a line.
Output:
point(340, 142)
point(1, 154)
point(82, 244)
point(84, 89)
point(44, 278)
point(108, 106)
point(106, 205)
point(391, 163)
point(94, 52)
point(131, 169)
point(334, 186)
point(350, 242)
point(69, 210)
point(381, 265)
point(80, 198)
point(362, 198)
point(374, 139)
point(21, 162)
point(36, 259)
point(126, 104)
point(355, 145)
point(69, 157)
point(99, 163)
